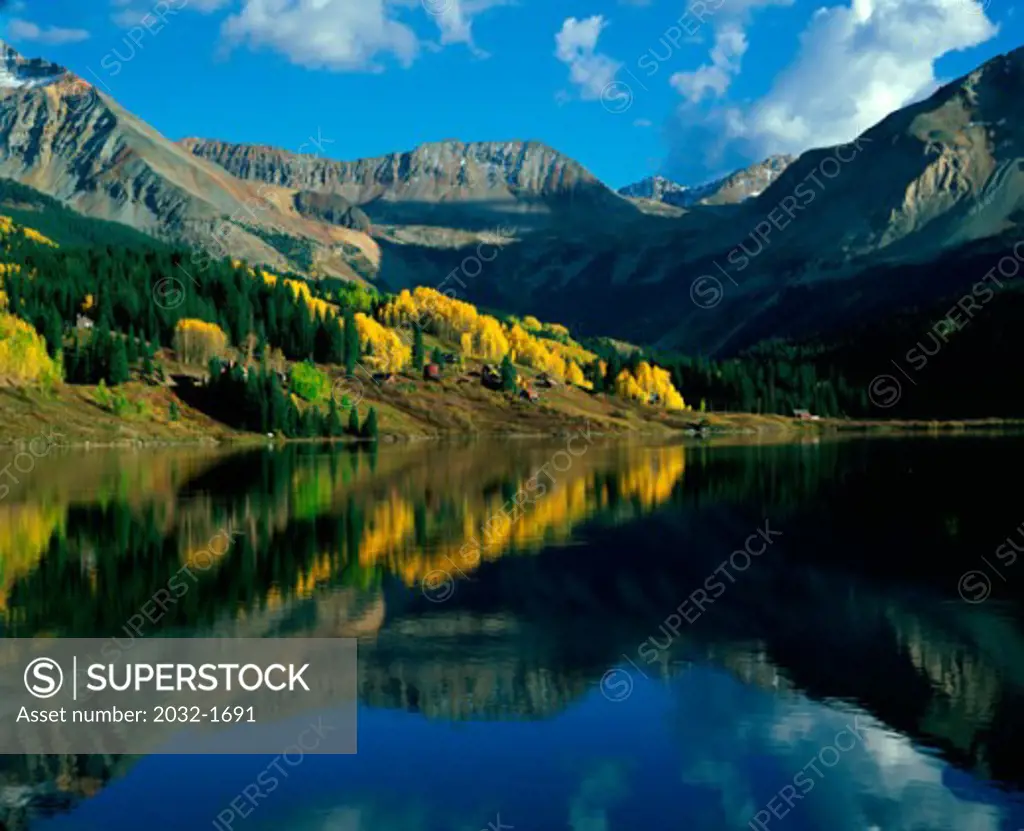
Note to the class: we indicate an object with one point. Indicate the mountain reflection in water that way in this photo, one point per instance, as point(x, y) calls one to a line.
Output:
point(496, 695)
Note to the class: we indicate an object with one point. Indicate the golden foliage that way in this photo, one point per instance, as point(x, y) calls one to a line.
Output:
point(574, 375)
point(301, 291)
point(389, 353)
point(23, 356)
point(650, 385)
point(484, 337)
point(196, 341)
point(5, 269)
point(8, 226)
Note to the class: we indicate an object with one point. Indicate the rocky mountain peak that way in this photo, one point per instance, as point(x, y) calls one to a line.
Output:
point(18, 72)
point(738, 186)
point(474, 182)
point(653, 187)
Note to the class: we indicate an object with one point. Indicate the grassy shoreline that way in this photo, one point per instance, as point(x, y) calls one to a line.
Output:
point(426, 412)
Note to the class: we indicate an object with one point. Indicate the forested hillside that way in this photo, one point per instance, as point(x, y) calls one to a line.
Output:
point(267, 352)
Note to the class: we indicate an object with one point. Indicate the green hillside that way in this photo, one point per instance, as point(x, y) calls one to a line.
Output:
point(64, 226)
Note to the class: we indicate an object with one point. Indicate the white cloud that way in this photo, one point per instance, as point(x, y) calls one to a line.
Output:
point(856, 65)
point(715, 77)
point(576, 46)
point(336, 34)
point(19, 29)
point(349, 34)
point(730, 19)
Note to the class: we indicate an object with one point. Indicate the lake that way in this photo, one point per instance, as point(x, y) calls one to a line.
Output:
point(704, 636)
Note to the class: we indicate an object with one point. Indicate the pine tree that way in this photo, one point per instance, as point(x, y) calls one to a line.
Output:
point(612, 371)
point(509, 376)
point(370, 425)
point(119, 370)
point(73, 362)
point(333, 428)
point(53, 333)
point(254, 411)
point(175, 411)
point(310, 422)
point(595, 376)
point(132, 346)
point(278, 410)
point(437, 356)
point(351, 355)
point(418, 355)
point(335, 340)
point(353, 422)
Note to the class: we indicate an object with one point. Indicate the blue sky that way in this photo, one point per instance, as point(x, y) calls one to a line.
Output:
point(688, 88)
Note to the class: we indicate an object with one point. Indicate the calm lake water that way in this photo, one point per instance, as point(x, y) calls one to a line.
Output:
point(669, 637)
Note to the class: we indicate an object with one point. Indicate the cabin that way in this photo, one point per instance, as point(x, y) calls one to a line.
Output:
point(431, 372)
point(546, 381)
point(529, 394)
point(491, 377)
point(805, 415)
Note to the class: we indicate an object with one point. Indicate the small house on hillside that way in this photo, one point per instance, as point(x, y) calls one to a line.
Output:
point(431, 372)
point(805, 415)
point(491, 377)
point(529, 394)
point(546, 381)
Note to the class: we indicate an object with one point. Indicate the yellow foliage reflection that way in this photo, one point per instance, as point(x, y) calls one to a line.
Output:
point(481, 532)
point(25, 534)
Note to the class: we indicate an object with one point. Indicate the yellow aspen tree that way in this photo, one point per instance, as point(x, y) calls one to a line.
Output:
point(197, 341)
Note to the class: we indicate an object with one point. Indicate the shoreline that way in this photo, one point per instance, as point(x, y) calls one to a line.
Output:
point(719, 426)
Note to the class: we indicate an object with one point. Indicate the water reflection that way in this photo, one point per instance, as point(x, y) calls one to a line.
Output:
point(854, 612)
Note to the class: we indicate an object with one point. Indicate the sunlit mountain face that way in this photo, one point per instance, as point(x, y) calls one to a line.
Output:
point(470, 617)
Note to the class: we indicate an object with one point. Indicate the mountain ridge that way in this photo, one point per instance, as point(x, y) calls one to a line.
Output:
point(730, 189)
point(517, 177)
point(939, 174)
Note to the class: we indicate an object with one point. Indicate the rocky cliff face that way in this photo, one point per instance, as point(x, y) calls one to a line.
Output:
point(729, 190)
point(842, 223)
point(936, 176)
point(19, 72)
point(331, 208)
point(432, 182)
point(63, 137)
point(656, 188)
point(743, 184)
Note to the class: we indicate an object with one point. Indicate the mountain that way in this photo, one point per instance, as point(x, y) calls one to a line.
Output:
point(911, 212)
point(729, 190)
point(57, 222)
point(63, 137)
point(473, 185)
point(785, 248)
point(656, 188)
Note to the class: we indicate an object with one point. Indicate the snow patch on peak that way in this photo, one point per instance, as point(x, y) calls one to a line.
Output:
point(17, 72)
